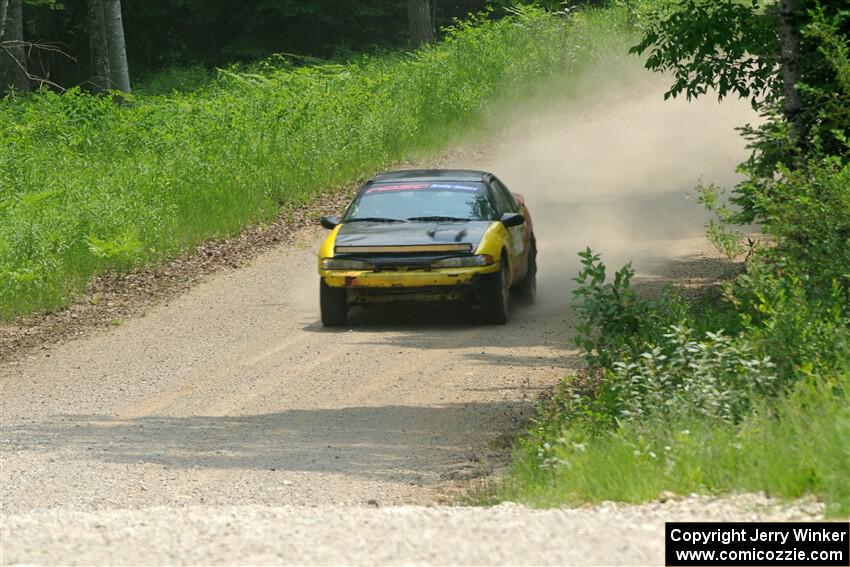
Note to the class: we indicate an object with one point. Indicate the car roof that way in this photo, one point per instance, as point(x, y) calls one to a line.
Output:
point(431, 175)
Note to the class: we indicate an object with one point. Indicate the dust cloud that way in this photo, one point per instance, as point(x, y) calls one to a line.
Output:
point(613, 166)
point(603, 161)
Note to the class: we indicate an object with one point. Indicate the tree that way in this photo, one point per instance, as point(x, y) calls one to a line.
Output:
point(108, 48)
point(100, 79)
point(733, 47)
point(789, 57)
point(419, 22)
point(119, 71)
point(770, 53)
point(13, 55)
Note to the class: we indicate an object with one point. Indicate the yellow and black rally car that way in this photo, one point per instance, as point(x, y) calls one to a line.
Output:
point(428, 235)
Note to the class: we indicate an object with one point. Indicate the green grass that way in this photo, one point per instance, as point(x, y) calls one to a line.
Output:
point(88, 185)
point(798, 446)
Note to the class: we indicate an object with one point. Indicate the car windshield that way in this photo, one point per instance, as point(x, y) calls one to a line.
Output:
point(446, 201)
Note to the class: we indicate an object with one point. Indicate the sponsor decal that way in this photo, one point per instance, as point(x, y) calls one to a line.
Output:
point(404, 187)
point(453, 187)
point(417, 186)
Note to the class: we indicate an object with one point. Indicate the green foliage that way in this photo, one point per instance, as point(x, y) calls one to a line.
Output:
point(718, 229)
point(88, 185)
point(791, 448)
point(614, 321)
point(721, 45)
point(807, 212)
point(173, 34)
point(731, 47)
point(795, 297)
point(670, 408)
point(717, 377)
point(779, 169)
point(806, 331)
point(826, 89)
point(763, 409)
point(174, 80)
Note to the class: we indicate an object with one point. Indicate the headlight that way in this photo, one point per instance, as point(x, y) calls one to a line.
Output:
point(464, 262)
point(340, 264)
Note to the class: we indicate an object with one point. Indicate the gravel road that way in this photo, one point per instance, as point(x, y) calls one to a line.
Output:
point(504, 535)
point(228, 426)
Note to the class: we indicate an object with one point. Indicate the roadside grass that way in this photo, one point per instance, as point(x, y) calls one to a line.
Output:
point(672, 403)
point(795, 448)
point(88, 185)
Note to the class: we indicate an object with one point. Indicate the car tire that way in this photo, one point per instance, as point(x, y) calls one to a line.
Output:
point(526, 291)
point(495, 296)
point(333, 304)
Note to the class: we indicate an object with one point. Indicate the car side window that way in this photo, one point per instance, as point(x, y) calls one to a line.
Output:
point(504, 198)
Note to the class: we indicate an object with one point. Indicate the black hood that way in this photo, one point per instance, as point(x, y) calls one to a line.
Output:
point(412, 233)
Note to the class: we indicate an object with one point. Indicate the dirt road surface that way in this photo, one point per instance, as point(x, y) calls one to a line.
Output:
point(228, 425)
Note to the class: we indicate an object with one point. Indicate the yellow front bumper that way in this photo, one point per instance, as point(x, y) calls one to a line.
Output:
point(443, 277)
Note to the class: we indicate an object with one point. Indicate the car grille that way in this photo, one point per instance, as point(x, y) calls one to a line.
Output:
point(359, 296)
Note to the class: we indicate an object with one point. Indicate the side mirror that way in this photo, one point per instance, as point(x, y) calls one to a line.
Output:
point(512, 219)
point(329, 222)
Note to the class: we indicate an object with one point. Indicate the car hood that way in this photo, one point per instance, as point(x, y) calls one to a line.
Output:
point(451, 236)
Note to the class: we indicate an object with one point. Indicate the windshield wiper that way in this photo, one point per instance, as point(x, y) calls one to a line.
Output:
point(374, 219)
point(438, 218)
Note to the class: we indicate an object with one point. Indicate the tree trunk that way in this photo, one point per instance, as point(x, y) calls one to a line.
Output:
point(13, 54)
point(419, 22)
point(119, 72)
point(4, 9)
point(99, 50)
point(789, 41)
point(435, 12)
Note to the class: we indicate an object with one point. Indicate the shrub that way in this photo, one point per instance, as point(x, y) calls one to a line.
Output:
point(805, 329)
point(614, 321)
point(808, 214)
point(717, 377)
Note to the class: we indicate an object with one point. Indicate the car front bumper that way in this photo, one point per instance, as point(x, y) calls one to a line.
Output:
point(406, 278)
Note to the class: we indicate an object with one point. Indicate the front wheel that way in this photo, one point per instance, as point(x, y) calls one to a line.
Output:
point(526, 291)
point(334, 305)
point(495, 296)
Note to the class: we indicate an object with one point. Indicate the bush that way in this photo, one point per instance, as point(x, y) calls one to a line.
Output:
point(716, 377)
point(652, 369)
point(808, 214)
point(805, 329)
point(614, 321)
